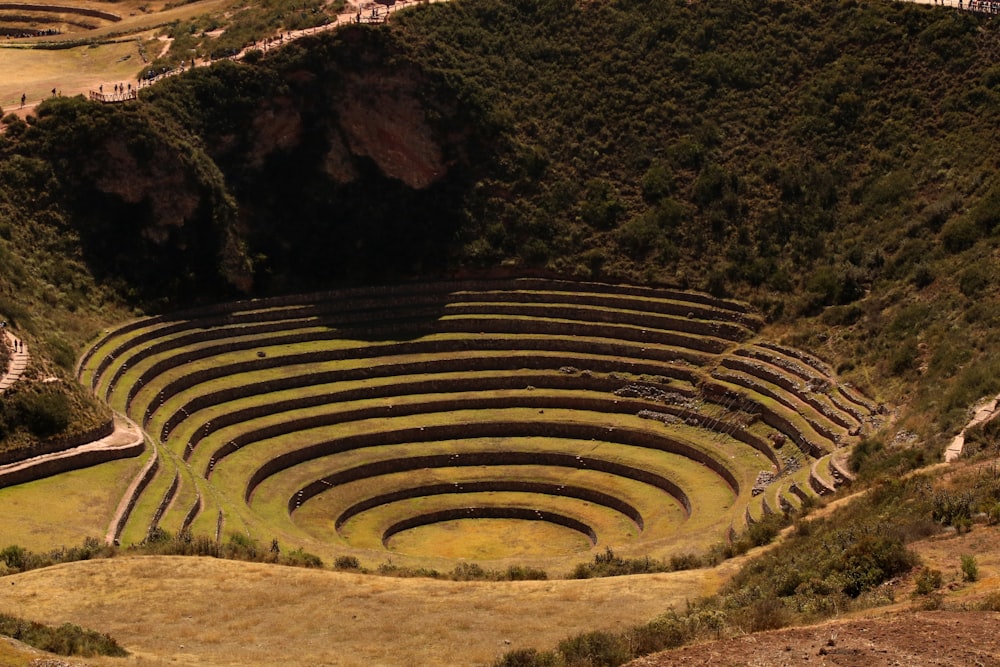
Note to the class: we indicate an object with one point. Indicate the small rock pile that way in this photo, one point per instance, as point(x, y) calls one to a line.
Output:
point(764, 478)
point(651, 393)
point(658, 416)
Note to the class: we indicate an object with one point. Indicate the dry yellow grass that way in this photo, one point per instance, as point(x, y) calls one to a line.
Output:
point(199, 611)
point(73, 71)
point(35, 72)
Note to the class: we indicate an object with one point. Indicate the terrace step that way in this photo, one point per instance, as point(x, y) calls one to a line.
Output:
point(394, 304)
point(819, 481)
point(794, 403)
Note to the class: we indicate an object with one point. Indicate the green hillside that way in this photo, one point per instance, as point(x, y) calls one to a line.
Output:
point(834, 163)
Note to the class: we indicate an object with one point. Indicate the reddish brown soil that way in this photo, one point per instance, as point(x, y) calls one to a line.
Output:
point(910, 639)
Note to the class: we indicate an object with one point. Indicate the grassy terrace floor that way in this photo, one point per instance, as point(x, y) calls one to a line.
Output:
point(365, 422)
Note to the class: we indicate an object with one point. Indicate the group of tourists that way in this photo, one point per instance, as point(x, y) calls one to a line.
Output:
point(16, 344)
point(122, 92)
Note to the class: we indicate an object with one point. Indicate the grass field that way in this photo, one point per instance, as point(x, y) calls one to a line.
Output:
point(35, 72)
point(65, 509)
point(210, 612)
point(111, 55)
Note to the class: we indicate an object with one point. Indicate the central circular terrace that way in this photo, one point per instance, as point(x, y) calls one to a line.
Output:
point(385, 421)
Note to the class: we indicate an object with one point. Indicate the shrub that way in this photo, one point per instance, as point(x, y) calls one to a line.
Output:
point(871, 561)
point(991, 602)
point(527, 657)
point(952, 508)
point(347, 563)
point(928, 581)
point(67, 639)
point(595, 649)
point(44, 413)
point(973, 280)
point(970, 568)
point(923, 276)
point(301, 558)
point(524, 573)
point(664, 632)
point(767, 614)
point(960, 234)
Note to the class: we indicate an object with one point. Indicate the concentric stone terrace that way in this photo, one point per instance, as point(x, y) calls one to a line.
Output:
point(526, 419)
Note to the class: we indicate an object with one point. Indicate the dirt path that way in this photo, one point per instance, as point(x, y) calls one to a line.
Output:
point(982, 412)
point(126, 440)
point(17, 363)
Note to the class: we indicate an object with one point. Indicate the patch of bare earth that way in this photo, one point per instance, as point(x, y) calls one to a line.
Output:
point(910, 639)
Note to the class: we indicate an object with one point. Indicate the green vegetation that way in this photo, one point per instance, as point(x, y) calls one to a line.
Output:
point(67, 639)
point(633, 438)
point(970, 568)
point(824, 566)
point(713, 167)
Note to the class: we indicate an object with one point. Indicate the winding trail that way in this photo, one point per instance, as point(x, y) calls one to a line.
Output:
point(126, 440)
point(983, 412)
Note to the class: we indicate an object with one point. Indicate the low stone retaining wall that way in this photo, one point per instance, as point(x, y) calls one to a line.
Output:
point(504, 486)
point(47, 466)
point(60, 9)
point(53, 445)
point(297, 425)
point(759, 387)
point(192, 513)
point(129, 502)
point(168, 497)
point(792, 386)
point(489, 513)
point(494, 362)
point(551, 380)
point(356, 306)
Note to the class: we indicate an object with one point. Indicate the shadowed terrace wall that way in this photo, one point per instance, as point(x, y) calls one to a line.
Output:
point(509, 362)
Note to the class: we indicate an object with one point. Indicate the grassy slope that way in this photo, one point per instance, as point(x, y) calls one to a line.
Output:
point(845, 161)
point(225, 612)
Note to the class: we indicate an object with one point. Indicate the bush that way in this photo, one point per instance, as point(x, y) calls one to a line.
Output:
point(928, 581)
point(527, 657)
point(960, 234)
point(767, 614)
point(970, 568)
point(300, 558)
point(991, 602)
point(347, 563)
point(67, 639)
point(595, 649)
point(44, 413)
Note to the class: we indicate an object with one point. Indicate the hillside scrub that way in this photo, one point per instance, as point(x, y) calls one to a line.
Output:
point(67, 639)
point(824, 566)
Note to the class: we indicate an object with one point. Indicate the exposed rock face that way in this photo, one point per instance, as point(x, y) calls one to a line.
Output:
point(158, 181)
point(277, 126)
point(382, 118)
